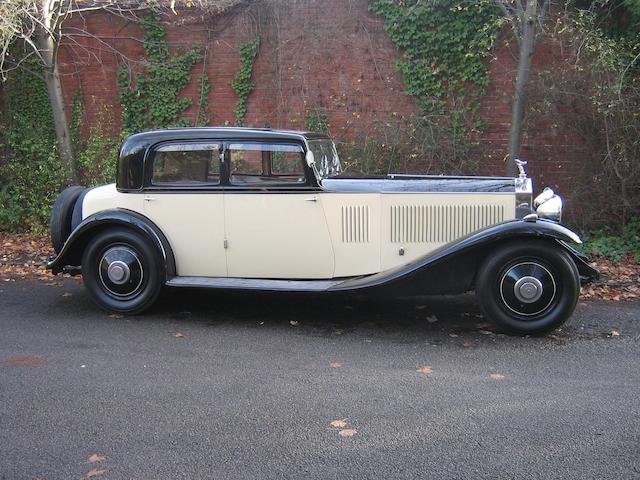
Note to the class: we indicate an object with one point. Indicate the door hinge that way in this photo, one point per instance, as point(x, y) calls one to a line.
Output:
point(225, 243)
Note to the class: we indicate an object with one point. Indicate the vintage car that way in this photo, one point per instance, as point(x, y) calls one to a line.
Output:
point(242, 208)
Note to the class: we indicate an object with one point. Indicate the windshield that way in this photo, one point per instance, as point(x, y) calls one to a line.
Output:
point(327, 163)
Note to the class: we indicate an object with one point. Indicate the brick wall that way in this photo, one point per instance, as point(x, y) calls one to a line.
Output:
point(328, 55)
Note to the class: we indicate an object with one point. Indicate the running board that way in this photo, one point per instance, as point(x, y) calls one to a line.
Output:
point(255, 284)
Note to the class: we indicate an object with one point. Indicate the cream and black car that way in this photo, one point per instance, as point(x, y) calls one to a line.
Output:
point(241, 208)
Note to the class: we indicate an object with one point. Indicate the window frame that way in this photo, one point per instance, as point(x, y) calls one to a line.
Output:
point(151, 156)
point(275, 186)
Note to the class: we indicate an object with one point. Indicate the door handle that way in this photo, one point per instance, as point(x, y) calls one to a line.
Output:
point(149, 199)
point(311, 199)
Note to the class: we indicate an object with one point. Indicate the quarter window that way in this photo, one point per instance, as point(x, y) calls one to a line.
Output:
point(258, 164)
point(187, 165)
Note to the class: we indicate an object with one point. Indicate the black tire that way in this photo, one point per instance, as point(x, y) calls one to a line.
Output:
point(61, 216)
point(528, 287)
point(127, 251)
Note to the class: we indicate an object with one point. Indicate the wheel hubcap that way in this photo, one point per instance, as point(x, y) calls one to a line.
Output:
point(120, 271)
point(528, 288)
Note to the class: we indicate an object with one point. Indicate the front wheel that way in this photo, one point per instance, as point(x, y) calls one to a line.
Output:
point(120, 271)
point(528, 287)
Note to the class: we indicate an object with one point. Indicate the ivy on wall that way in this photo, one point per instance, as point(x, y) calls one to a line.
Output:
point(445, 45)
point(317, 121)
point(203, 99)
point(242, 82)
point(153, 100)
point(31, 173)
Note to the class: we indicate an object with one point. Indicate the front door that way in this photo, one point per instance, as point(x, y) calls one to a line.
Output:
point(274, 220)
point(185, 200)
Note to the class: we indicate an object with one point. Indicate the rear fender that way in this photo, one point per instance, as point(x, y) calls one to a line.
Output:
point(70, 256)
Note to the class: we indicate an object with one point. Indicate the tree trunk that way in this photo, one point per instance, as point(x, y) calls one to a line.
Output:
point(48, 48)
point(527, 46)
point(63, 134)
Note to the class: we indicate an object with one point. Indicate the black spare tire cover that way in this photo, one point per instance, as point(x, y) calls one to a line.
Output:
point(61, 216)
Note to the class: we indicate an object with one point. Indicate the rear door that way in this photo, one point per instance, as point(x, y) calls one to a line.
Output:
point(184, 198)
point(274, 220)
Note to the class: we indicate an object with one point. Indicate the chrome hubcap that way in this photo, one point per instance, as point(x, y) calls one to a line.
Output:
point(527, 288)
point(120, 271)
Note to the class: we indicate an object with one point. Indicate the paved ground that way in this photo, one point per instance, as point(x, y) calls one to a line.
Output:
point(244, 393)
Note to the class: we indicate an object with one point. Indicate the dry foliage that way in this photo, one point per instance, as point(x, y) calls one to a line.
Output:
point(425, 370)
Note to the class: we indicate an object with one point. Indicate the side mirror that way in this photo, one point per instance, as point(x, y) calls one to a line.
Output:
point(310, 158)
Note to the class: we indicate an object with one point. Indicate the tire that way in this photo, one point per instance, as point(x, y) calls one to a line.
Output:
point(61, 216)
point(528, 287)
point(121, 271)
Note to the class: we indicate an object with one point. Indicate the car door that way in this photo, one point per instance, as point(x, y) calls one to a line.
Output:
point(274, 221)
point(184, 198)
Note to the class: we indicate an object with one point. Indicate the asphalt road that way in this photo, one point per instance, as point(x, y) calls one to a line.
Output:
point(225, 386)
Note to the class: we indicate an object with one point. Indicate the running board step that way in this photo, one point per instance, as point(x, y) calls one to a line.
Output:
point(255, 284)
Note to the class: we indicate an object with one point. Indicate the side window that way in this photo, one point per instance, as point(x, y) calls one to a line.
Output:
point(263, 164)
point(188, 164)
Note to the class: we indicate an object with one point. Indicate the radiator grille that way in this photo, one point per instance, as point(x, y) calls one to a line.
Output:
point(355, 224)
point(440, 223)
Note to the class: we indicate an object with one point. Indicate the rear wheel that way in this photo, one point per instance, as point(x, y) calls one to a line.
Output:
point(528, 287)
point(120, 271)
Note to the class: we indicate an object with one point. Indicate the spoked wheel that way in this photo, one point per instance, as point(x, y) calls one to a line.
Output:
point(528, 287)
point(120, 271)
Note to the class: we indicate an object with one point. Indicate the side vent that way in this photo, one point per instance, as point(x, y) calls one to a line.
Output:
point(355, 224)
point(440, 223)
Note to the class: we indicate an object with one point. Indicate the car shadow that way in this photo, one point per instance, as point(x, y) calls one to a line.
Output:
point(440, 317)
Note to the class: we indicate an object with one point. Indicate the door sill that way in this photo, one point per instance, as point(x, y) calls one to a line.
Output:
point(255, 284)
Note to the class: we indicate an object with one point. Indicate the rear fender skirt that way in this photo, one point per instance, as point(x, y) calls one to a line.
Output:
point(452, 267)
point(71, 253)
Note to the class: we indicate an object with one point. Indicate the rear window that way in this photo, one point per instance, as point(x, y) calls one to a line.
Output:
point(187, 165)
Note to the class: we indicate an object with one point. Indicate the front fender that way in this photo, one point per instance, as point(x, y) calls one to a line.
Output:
point(71, 253)
point(451, 268)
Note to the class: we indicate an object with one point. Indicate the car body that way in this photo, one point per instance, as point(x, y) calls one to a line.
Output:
point(270, 209)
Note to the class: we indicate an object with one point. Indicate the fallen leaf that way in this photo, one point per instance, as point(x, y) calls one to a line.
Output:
point(432, 319)
point(178, 335)
point(293, 322)
point(425, 370)
point(338, 331)
point(116, 315)
point(347, 432)
point(95, 472)
point(497, 376)
point(97, 458)
point(454, 335)
point(339, 423)
point(485, 332)
point(28, 361)
point(420, 307)
point(67, 294)
point(613, 333)
point(467, 344)
point(335, 365)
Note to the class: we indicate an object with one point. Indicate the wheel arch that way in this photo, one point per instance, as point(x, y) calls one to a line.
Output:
point(71, 254)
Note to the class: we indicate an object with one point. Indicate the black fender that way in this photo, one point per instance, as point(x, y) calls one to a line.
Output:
point(452, 267)
point(70, 256)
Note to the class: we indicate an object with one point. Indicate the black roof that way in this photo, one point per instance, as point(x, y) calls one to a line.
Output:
point(132, 152)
